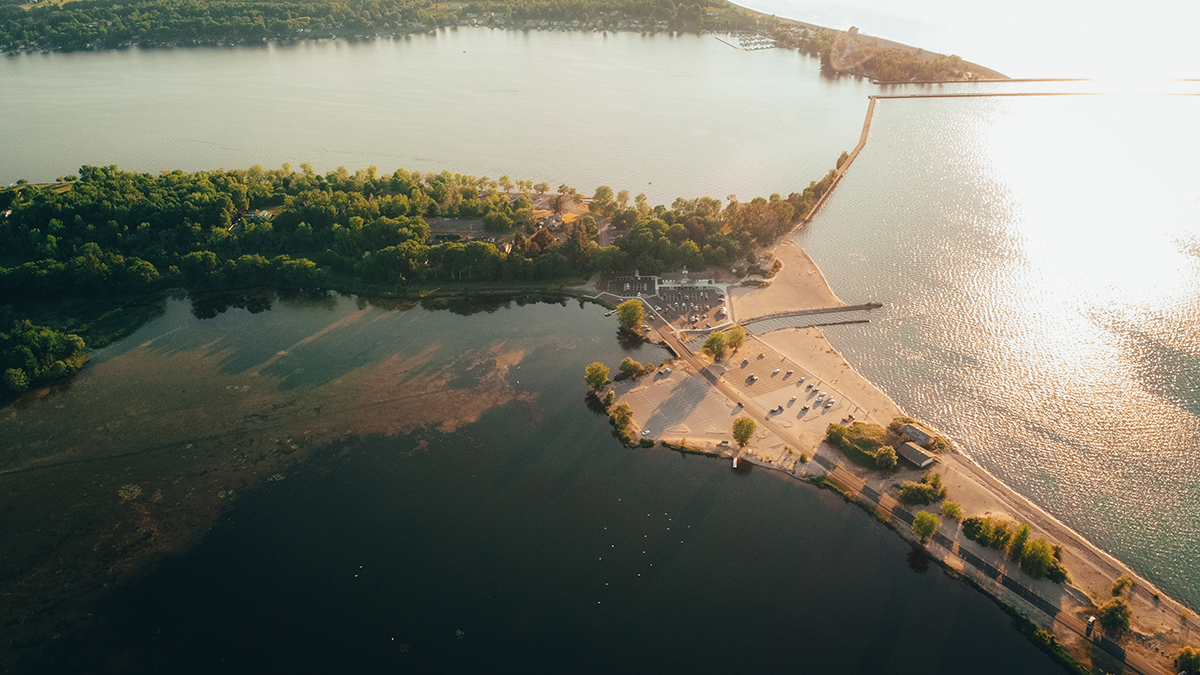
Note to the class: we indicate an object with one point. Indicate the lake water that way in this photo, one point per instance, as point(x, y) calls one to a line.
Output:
point(683, 116)
point(1037, 257)
point(529, 540)
point(1041, 283)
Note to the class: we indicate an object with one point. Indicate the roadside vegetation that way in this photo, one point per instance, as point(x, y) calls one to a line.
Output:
point(714, 345)
point(1038, 558)
point(925, 524)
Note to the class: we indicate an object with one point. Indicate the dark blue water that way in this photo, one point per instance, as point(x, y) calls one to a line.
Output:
point(531, 541)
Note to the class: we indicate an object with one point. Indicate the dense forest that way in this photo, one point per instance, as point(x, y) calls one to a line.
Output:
point(108, 232)
point(98, 24)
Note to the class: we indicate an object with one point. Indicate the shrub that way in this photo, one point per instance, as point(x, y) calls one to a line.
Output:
point(952, 510)
point(978, 528)
point(621, 415)
point(885, 457)
point(647, 443)
point(1121, 585)
point(804, 458)
point(1115, 615)
point(1017, 549)
point(1038, 559)
point(1001, 536)
point(927, 491)
point(1188, 659)
point(631, 368)
point(609, 398)
point(925, 524)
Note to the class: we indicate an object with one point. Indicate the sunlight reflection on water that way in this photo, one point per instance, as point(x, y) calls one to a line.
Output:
point(1037, 260)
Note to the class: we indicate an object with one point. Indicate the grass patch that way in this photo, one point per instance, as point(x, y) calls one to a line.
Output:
point(858, 442)
point(824, 482)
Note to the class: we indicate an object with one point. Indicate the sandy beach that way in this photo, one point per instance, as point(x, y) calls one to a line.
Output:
point(697, 403)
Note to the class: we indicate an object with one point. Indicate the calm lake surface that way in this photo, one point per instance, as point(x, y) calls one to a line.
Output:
point(1037, 258)
point(682, 116)
point(527, 540)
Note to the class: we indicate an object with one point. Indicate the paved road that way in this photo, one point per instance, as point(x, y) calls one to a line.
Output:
point(852, 483)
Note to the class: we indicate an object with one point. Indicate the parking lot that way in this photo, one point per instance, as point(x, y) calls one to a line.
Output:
point(633, 286)
point(691, 306)
point(780, 386)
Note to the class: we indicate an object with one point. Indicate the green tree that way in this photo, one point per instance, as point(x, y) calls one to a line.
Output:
point(1188, 660)
point(885, 457)
point(1122, 584)
point(927, 491)
point(1038, 558)
point(630, 313)
point(743, 430)
point(1016, 550)
point(925, 524)
point(541, 188)
point(596, 375)
point(1115, 615)
point(621, 414)
point(602, 200)
point(714, 346)
point(735, 337)
point(15, 380)
point(632, 368)
point(952, 510)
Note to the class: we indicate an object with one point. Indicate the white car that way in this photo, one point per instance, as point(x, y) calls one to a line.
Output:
point(774, 372)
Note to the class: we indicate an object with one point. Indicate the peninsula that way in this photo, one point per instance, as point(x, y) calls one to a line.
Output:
point(58, 25)
point(801, 395)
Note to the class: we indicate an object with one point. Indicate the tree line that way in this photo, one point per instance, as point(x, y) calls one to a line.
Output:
point(109, 232)
point(98, 24)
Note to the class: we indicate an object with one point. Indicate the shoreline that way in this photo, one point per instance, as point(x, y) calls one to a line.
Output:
point(1160, 624)
point(1158, 628)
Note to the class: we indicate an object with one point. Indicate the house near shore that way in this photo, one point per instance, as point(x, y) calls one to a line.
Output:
point(918, 435)
point(913, 453)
